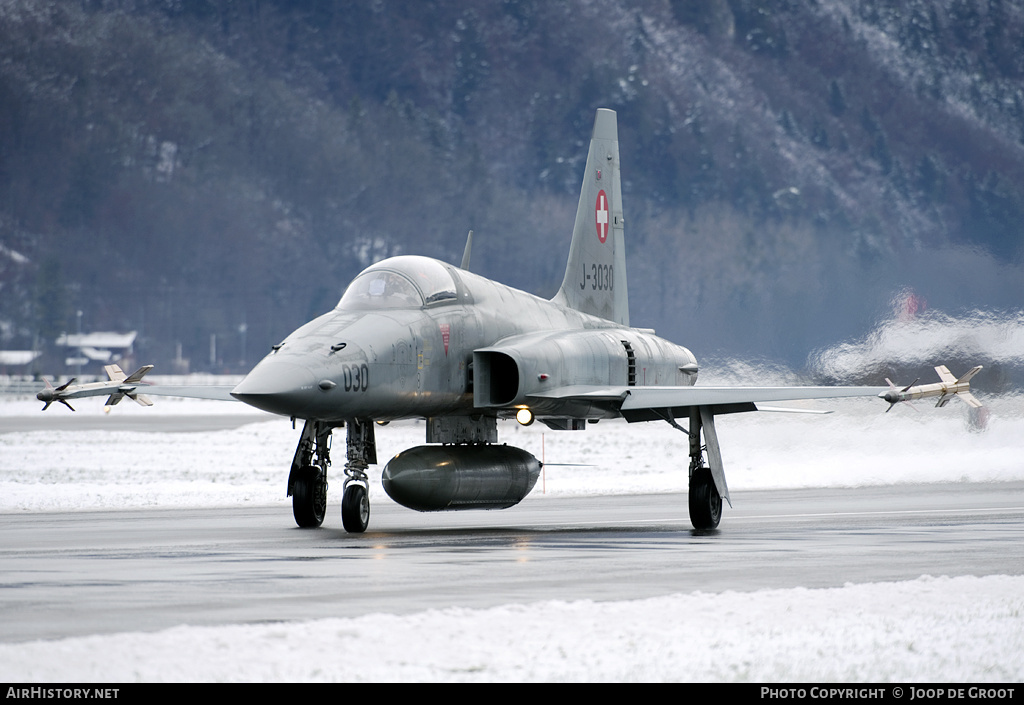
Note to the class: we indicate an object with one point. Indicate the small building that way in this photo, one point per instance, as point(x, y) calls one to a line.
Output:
point(16, 358)
point(102, 347)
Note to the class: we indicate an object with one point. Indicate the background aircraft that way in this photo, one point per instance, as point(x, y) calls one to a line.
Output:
point(414, 337)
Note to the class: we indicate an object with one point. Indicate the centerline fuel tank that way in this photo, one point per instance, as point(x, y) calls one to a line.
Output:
point(439, 478)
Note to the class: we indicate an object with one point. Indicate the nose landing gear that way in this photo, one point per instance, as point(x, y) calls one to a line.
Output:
point(307, 481)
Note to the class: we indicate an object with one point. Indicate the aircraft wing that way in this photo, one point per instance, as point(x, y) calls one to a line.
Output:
point(650, 403)
point(666, 397)
point(221, 394)
point(218, 393)
point(214, 392)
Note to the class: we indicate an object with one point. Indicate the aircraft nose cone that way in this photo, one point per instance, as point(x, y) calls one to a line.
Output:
point(277, 387)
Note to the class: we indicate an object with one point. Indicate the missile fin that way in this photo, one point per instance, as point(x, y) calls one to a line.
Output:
point(114, 372)
point(971, 399)
point(969, 374)
point(141, 399)
point(138, 374)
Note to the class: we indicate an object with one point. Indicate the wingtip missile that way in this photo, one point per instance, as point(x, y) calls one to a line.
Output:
point(945, 390)
point(117, 387)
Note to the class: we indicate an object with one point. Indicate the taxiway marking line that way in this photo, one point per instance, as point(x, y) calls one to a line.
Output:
point(895, 512)
point(732, 518)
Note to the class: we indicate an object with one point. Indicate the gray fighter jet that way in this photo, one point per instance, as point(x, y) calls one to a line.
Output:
point(414, 337)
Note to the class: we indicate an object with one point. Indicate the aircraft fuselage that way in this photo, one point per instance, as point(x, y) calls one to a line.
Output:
point(391, 351)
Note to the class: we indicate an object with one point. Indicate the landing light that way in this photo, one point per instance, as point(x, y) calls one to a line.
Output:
point(524, 416)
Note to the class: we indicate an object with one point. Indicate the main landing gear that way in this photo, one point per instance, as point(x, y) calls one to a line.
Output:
point(705, 500)
point(307, 481)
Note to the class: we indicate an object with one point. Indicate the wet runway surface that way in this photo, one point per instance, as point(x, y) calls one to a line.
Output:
point(141, 570)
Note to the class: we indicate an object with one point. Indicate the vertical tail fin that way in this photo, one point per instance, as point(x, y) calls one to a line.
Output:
point(595, 276)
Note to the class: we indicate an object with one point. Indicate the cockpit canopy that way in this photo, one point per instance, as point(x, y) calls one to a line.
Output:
point(399, 282)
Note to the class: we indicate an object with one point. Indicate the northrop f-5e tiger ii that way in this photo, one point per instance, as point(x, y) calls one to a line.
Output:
point(417, 338)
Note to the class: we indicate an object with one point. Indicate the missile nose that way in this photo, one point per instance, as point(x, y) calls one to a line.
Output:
point(277, 387)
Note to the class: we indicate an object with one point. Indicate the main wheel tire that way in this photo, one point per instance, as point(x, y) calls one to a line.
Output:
point(355, 509)
point(705, 502)
point(309, 497)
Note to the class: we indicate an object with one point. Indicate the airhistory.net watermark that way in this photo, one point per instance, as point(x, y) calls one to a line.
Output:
point(39, 693)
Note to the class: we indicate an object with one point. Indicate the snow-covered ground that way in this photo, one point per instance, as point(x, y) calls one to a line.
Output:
point(930, 629)
point(945, 630)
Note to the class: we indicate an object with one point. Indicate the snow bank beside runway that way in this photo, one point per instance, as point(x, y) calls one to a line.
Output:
point(945, 630)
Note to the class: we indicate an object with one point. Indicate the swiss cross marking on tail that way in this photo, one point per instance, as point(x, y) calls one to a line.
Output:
point(601, 216)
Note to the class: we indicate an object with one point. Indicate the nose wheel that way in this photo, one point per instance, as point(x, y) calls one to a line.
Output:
point(355, 508)
point(361, 452)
